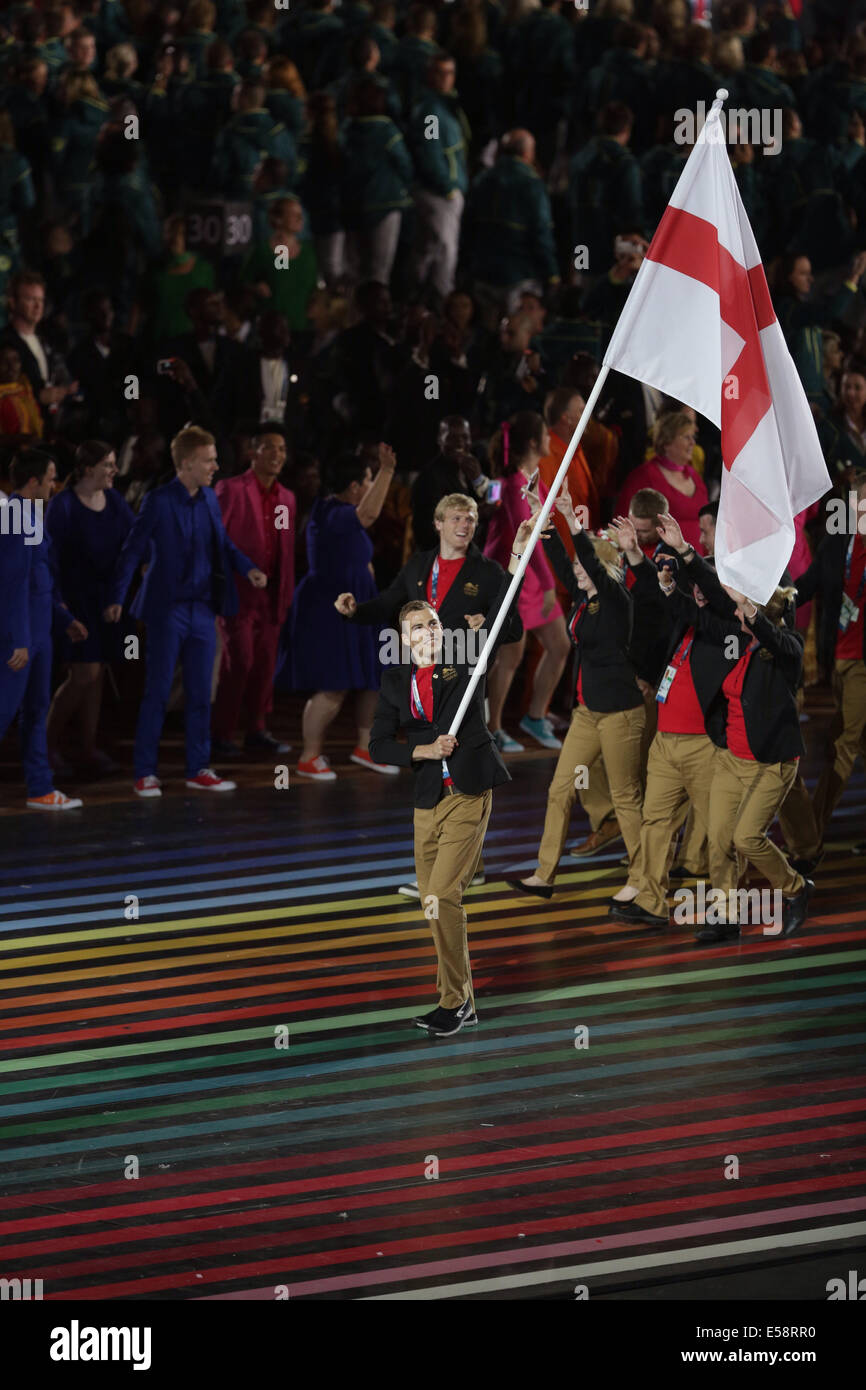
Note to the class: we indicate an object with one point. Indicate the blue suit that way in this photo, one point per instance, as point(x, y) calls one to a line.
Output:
point(189, 558)
point(31, 603)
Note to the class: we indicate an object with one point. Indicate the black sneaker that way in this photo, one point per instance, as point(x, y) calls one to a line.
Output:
point(631, 912)
point(795, 909)
point(442, 1023)
point(224, 748)
point(264, 742)
point(722, 931)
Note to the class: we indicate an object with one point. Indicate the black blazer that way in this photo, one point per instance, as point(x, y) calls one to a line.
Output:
point(769, 695)
point(651, 623)
point(826, 577)
point(475, 765)
point(474, 591)
point(604, 628)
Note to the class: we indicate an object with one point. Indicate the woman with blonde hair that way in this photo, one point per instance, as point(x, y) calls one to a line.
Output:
point(121, 64)
point(671, 472)
point(608, 717)
point(757, 726)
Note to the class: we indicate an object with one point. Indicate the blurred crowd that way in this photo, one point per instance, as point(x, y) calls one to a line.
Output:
point(379, 245)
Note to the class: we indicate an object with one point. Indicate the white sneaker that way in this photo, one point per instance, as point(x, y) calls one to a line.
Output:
point(148, 786)
point(207, 780)
point(54, 801)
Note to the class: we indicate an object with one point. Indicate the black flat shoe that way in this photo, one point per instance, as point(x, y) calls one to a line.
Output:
point(796, 908)
point(630, 912)
point(807, 867)
point(536, 891)
point(712, 936)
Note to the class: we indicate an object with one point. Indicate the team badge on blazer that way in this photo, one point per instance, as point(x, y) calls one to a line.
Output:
point(593, 606)
point(764, 654)
point(471, 589)
point(449, 673)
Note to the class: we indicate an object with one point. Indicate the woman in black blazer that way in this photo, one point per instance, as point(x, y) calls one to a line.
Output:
point(753, 772)
point(609, 715)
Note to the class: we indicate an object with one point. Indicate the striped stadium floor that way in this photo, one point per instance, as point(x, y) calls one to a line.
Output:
point(210, 1087)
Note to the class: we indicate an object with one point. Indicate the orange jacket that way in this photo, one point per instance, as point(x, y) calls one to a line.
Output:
point(581, 486)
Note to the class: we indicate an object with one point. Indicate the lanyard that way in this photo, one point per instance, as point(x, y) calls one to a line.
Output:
point(434, 584)
point(575, 619)
point(862, 584)
point(416, 700)
point(682, 652)
point(418, 710)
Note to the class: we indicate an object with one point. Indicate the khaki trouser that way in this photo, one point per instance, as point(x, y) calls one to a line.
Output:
point(614, 738)
point(797, 822)
point(448, 843)
point(745, 797)
point(692, 853)
point(595, 798)
point(847, 738)
point(679, 772)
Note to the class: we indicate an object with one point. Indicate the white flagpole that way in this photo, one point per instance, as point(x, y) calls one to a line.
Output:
point(540, 521)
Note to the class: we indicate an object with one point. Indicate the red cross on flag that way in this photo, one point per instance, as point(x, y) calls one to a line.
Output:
point(699, 324)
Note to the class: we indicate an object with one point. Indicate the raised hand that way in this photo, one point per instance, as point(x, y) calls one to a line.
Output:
point(670, 532)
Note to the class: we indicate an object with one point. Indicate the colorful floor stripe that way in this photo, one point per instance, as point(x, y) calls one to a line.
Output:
point(219, 1094)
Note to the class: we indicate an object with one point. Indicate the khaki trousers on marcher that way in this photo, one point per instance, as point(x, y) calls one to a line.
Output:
point(692, 854)
point(847, 738)
point(679, 773)
point(797, 822)
point(448, 843)
point(614, 738)
point(595, 798)
point(745, 797)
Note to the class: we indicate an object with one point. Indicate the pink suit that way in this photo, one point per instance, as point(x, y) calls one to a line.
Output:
point(251, 639)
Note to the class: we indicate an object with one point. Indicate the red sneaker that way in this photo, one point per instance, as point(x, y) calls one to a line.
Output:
point(208, 781)
point(362, 757)
point(317, 769)
point(147, 786)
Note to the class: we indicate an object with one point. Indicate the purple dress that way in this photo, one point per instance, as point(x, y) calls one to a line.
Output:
point(327, 652)
point(87, 545)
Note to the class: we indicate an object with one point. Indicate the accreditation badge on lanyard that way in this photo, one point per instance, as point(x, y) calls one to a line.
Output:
point(667, 679)
point(850, 610)
point(434, 585)
point(418, 711)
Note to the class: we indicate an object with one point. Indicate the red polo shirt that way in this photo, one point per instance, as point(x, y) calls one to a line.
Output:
point(447, 573)
point(424, 683)
point(681, 712)
point(732, 688)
